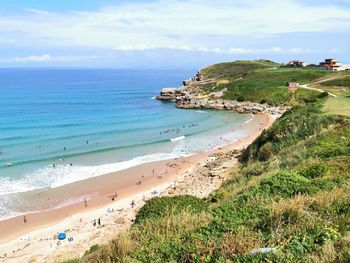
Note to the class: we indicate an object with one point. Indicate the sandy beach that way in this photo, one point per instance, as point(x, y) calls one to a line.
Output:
point(199, 175)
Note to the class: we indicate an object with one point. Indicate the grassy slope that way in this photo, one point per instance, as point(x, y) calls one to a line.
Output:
point(259, 81)
point(340, 87)
point(292, 193)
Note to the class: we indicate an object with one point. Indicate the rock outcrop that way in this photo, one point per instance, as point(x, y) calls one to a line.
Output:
point(169, 93)
point(188, 102)
point(197, 77)
point(192, 96)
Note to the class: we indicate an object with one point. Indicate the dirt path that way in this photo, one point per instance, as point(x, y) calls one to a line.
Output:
point(306, 86)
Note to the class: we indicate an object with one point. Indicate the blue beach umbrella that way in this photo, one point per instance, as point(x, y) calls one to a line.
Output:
point(62, 236)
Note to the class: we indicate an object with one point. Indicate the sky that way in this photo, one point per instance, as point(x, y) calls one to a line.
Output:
point(166, 34)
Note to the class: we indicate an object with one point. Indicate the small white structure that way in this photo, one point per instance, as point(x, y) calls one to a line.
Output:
point(342, 67)
point(297, 63)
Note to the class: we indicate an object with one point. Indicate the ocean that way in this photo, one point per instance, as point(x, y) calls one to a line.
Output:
point(59, 126)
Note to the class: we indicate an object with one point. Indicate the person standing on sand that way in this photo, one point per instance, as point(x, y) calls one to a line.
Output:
point(25, 219)
point(99, 221)
point(85, 202)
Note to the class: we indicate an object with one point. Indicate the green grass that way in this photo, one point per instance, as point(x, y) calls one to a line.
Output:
point(270, 86)
point(233, 70)
point(341, 82)
point(158, 207)
point(338, 105)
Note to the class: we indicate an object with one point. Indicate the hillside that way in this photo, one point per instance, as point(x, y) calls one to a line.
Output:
point(289, 199)
point(258, 81)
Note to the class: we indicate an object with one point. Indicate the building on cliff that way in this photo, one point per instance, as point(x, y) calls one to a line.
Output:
point(296, 63)
point(330, 63)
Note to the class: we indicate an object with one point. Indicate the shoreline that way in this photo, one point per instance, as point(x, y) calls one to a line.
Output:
point(19, 240)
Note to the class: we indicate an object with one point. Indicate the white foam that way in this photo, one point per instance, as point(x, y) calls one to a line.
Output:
point(52, 177)
point(75, 200)
point(247, 121)
point(178, 139)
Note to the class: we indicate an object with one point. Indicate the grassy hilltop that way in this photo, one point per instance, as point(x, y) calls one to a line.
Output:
point(291, 191)
point(261, 81)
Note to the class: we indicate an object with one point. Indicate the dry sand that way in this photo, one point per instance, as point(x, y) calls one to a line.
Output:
point(198, 175)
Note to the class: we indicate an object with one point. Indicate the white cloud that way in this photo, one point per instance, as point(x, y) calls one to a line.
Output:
point(231, 50)
point(36, 11)
point(143, 47)
point(241, 50)
point(274, 50)
point(145, 26)
point(47, 58)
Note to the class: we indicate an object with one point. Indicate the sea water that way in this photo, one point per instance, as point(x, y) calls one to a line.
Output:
point(59, 126)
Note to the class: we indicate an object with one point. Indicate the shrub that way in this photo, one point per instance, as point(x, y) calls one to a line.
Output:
point(323, 95)
point(332, 144)
point(253, 169)
point(159, 206)
point(284, 184)
point(314, 170)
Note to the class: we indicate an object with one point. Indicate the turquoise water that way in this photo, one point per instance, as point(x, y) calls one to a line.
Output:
point(58, 126)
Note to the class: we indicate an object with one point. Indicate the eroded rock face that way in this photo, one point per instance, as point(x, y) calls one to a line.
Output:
point(188, 101)
point(169, 93)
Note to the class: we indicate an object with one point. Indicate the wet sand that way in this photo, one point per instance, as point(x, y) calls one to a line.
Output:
point(36, 241)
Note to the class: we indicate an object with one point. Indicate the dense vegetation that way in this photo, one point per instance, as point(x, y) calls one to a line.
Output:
point(291, 195)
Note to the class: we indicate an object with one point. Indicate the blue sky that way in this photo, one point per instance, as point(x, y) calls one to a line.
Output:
point(170, 33)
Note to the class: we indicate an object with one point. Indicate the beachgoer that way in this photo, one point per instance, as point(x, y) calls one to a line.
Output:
point(153, 171)
point(138, 182)
point(64, 148)
point(133, 203)
point(54, 165)
point(87, 142)
point(99, 221)
point(85, 202)
point(25, 219)
point(70, 164)
point(94, 223)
